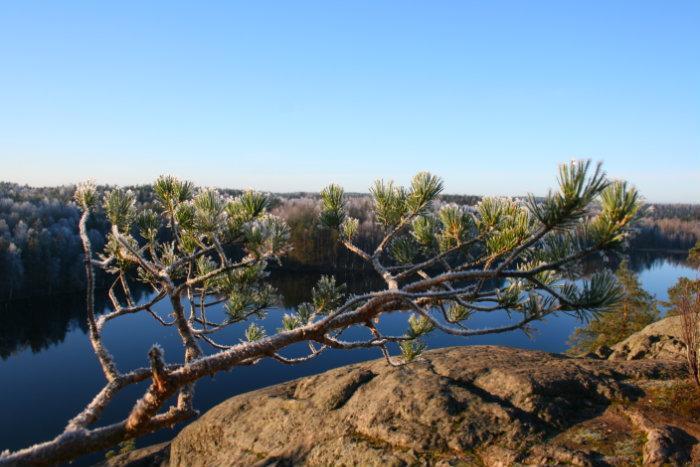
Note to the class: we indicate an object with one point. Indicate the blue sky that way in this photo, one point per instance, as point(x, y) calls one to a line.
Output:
point(284, 96)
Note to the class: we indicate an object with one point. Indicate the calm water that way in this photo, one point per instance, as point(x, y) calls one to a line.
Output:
point(48, 371)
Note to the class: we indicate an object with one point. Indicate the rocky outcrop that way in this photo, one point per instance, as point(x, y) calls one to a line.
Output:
point(157, 454)
point(660, 340)
point(479, 405)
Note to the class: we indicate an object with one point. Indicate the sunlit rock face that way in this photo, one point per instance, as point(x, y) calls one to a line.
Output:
point(474, 405)
point(661, 340)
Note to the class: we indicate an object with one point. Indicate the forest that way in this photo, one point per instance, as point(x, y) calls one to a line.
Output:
point(40, 250)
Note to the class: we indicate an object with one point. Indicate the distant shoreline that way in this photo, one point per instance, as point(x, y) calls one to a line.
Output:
point(285, 269)
point(660, 250)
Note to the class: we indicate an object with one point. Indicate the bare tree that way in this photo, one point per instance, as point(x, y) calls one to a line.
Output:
point(440, 267)
point(688, 306)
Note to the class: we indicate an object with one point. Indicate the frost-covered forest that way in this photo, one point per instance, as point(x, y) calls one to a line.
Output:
point(40, 251)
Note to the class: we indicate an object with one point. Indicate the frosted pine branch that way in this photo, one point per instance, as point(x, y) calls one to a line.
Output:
point(436, 263)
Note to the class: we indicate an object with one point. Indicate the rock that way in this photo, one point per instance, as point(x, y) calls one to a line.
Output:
point(665, 444)
point(155, 455)
point(601, 352)
point(660, 340)
point(463, 405)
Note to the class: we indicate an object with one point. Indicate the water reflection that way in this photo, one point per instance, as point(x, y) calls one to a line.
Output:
point(39, 324)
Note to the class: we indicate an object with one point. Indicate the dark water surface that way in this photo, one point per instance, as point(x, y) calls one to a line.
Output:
point(48, 371)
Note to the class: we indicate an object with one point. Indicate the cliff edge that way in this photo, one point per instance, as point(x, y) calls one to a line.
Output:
point(472, 405)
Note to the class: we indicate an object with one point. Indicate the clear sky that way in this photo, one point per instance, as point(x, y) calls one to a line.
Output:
point(291, 95)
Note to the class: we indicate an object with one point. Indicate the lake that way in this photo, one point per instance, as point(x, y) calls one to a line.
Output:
point(48, 371)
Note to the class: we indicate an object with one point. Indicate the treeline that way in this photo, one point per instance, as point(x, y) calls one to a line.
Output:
point(667, 234)
point(40, 250)
point(669, 227)
point(683, 212)
point(39, 244)
point(41, 254)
